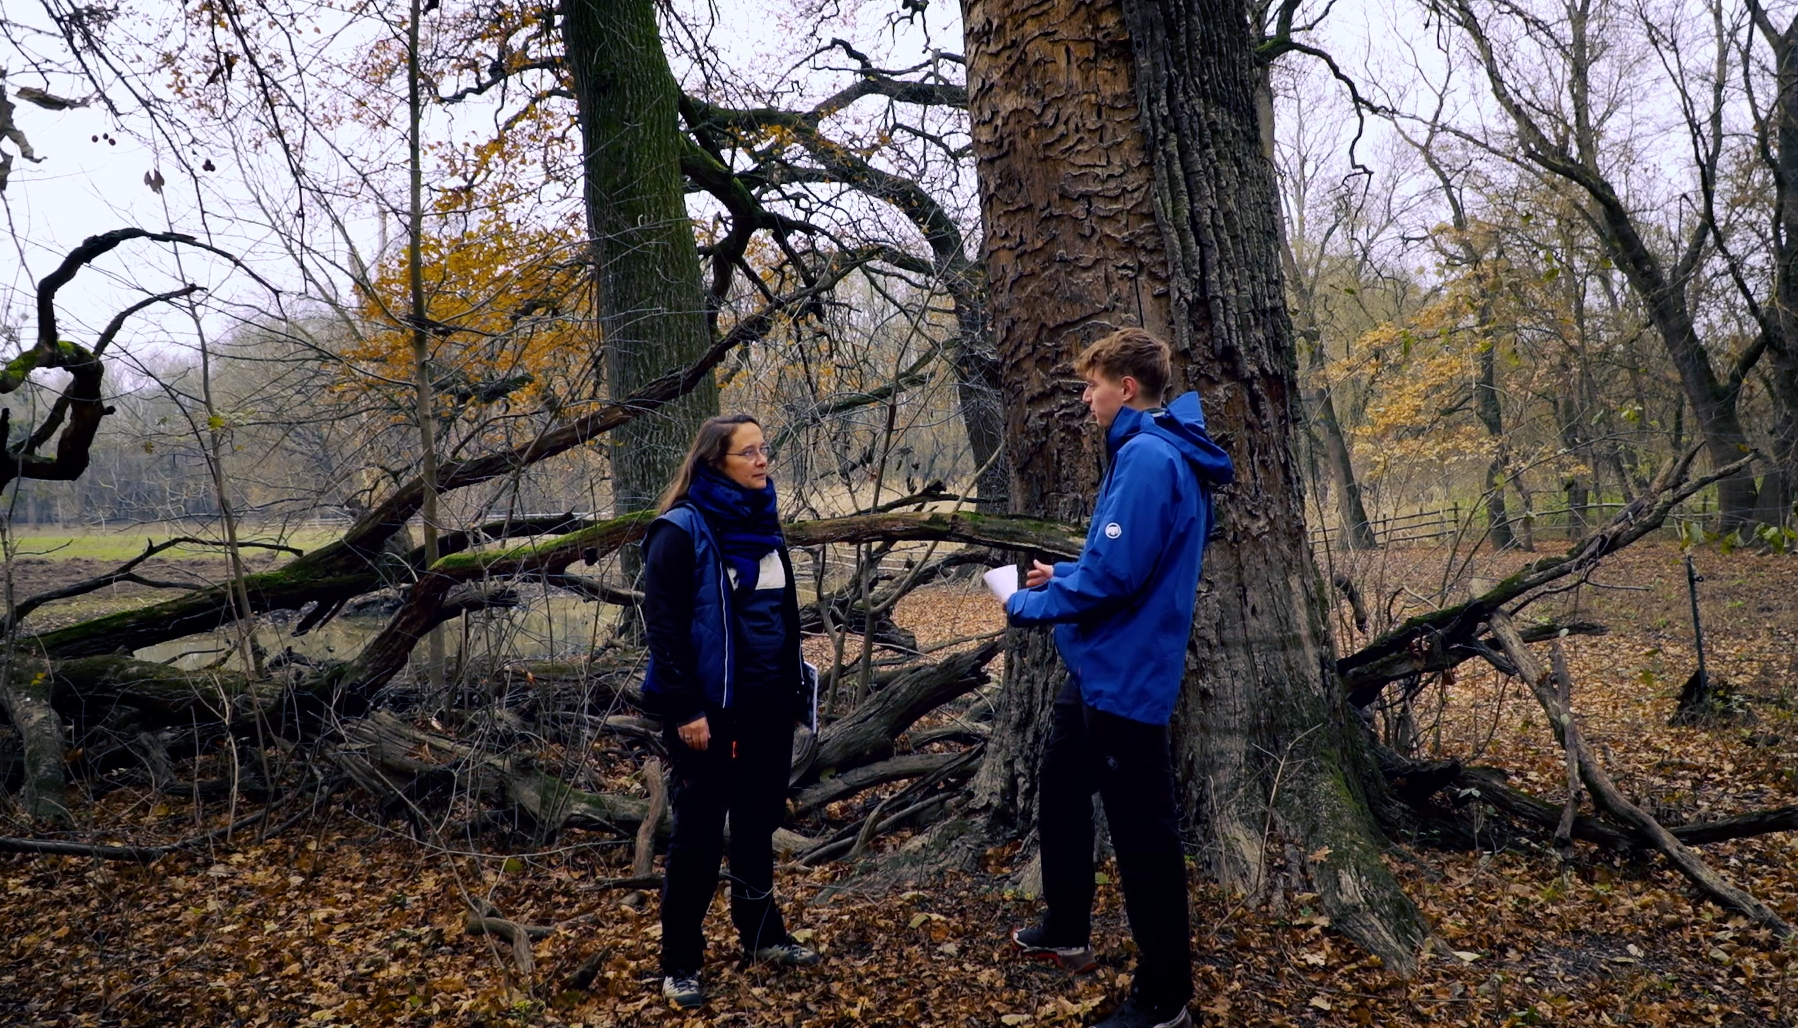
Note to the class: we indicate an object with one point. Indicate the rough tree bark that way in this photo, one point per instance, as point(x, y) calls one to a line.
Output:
point(1088, 130)
point(1265, 741)
point(1072, 253)
point(651, 304)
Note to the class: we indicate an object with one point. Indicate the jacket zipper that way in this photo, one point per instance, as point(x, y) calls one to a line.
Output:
point(724, 606)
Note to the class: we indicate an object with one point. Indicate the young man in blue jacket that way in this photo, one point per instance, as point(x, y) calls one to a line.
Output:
point(1123, 613)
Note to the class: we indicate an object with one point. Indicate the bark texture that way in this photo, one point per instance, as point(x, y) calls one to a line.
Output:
point(1072, 253)
point(1264, 739)
point(1099, 217)
point(652, 306)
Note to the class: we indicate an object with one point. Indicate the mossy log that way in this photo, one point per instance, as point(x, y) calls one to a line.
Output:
point(25, 691)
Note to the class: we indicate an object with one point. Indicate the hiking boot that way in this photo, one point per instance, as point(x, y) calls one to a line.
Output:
point(1135, 1015)
point(783, 954)
point(1034, 942)
point(684, 990)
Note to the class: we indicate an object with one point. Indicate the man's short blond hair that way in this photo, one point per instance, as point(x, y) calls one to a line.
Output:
point(1133, 353)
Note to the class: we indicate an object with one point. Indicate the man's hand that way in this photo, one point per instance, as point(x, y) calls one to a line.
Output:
point(697, 734)
point(1038, 575)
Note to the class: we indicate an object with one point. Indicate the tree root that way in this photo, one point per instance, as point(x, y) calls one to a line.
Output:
point(486, 919)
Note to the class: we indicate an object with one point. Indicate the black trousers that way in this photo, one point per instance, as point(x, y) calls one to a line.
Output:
point(742, 773)
point(1127, 763)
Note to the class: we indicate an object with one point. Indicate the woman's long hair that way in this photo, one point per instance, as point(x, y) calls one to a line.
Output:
point(709, 447)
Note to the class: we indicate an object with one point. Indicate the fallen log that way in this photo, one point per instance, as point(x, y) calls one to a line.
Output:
point(866, 734)
point(907, 805)
point(849, 783)
point(387, 757)
point(1606, 796)
point(1489, 785)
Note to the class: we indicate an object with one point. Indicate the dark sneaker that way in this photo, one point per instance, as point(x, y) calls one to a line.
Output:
point(1033, 942)
point(684, 990)
point(1133, 1015)
point(783, 954)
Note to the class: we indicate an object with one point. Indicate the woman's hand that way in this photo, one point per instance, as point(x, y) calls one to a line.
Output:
point(1038, 575)
point(697, 734)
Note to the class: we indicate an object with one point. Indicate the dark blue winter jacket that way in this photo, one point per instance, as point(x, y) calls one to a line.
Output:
point(693, 628)
point(1123, 611)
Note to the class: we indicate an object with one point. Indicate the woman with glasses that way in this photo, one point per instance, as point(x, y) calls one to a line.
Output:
point(722, 616)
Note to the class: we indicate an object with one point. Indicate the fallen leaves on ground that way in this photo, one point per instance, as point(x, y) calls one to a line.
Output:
point(345, 920)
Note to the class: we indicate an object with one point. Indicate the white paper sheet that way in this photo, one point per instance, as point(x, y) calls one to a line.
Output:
point(1003, 581)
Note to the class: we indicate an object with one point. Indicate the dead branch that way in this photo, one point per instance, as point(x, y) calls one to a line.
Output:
point(388, 756)
point(349, 566)
point(643, 861)
point(1488, 784)
point(485, 919)
point(867, 733)
point(1607, 797)
point(125, 572)
point(139, 854)
point(849, 783)
point(390, 650)
point(1433, 654)
point(1440, 630)
point(1564, 684)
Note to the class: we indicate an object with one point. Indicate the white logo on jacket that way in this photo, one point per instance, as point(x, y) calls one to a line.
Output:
point(1113, 530)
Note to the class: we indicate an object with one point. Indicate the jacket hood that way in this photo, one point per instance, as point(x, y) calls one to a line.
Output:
point(1182, 424)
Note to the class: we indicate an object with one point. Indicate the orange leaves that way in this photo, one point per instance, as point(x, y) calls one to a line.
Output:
point(508, 306)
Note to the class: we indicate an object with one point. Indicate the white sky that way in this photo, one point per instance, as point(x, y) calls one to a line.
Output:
point(83, 186)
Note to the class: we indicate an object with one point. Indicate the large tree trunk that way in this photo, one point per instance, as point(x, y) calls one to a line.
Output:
point(1265, 739)
point(651, 302)
point(1071, 199)
point(1072, 253)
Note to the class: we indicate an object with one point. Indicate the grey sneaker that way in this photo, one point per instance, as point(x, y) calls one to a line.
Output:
point(783, 954)
point(684, 990)
point(1033, 942)
point(1131, 1015)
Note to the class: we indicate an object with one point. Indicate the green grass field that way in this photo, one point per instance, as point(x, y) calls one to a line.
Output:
point(70, 542)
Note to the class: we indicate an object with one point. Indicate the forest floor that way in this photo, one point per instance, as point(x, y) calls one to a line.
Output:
point(345, 919)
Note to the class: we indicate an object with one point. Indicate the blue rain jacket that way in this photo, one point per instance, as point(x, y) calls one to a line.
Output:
point(1123, 611)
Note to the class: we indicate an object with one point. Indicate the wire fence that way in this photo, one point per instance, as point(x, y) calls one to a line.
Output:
point(1471, 523)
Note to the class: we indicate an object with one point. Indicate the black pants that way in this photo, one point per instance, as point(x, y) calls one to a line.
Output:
point(1127, 763)
point(743, 773)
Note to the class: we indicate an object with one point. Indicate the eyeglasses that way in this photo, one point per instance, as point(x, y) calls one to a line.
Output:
point(750, 454)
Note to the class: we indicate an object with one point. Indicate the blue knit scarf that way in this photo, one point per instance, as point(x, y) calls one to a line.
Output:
point(745, 522)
